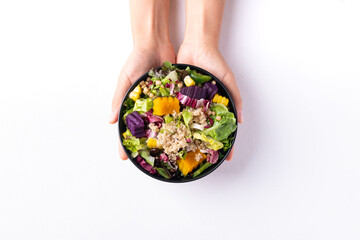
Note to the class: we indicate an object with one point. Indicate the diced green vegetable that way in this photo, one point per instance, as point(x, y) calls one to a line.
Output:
point(168, 119)
point(182, 154)
point(163, 130)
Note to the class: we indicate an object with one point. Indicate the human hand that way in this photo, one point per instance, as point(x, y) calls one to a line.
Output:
point(140, 61)
point(150, 30)
point(208, 56)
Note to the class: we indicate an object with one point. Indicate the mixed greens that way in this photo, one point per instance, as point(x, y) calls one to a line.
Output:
point(177, 123)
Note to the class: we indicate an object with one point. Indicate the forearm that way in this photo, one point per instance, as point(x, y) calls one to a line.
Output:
point(203, 21)
point(150, 22)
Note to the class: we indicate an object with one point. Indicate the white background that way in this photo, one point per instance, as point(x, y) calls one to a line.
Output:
point(296, 170)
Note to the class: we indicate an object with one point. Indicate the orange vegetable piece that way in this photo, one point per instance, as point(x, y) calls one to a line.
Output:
point(165, 105)
point(189, 163)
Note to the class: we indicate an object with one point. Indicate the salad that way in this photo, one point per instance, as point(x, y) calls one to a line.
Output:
point(177, 124)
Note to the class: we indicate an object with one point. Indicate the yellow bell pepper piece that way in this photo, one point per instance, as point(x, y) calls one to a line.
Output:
point(189, 163)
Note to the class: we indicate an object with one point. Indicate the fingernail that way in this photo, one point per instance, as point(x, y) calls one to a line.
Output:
point(240, 117)
point(112, 117)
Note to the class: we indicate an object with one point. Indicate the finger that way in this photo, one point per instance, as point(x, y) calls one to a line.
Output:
point(230, 156)
point(230, 83)
point(122, 86)
point(122, 153)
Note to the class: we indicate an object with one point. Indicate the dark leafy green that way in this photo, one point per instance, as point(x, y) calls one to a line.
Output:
point(227, 143)
point(129, 104)
point(163, 172)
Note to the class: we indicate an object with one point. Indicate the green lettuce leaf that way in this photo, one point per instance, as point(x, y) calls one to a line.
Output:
point(132, 143)
point(164, 92)
point(211, 143)
point(187, 117)
point(219, 108)
point(143, 105)
point(167, 66)
point(151, 73)
point(172, 75)
point(145, 154)
point(221, 130)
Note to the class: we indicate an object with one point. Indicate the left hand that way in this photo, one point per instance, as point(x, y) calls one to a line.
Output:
point(139, 62)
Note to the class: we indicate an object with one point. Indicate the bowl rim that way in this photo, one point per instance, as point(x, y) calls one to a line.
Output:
point(207, 171)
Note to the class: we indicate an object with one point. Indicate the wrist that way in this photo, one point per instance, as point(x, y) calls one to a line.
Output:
point(203, 22)
point(149, 22)
point(200, 39)
point(153, 44)
point(150, 40)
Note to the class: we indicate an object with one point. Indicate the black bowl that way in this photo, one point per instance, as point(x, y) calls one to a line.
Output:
point(222, 91)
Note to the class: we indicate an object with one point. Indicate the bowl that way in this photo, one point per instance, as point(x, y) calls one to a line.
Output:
point(221, 90)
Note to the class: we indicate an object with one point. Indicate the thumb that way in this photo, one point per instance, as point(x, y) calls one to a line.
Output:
point(122, 86)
